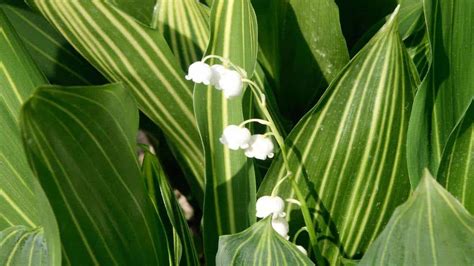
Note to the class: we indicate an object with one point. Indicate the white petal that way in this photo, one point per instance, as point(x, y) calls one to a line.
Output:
point(280, 225)
point(199, 72)
point(302, 249)
point(231, 83)
point(234, 137)
point(260, 147)
point(268, 205)
point(217, 72)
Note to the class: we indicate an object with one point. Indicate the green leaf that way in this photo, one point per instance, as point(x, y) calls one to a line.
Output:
point(447, 90)
point(259, 245)
point(81, 143)
point(145, 11)
point(456, 171)
point(431, 228)
point(348, 154)
point(127, 51)
point(22, 201)
point(21, 246)
point(307, 53)
point(169, 210)
point(55, 57)
point(229, 203)
point(185, 28)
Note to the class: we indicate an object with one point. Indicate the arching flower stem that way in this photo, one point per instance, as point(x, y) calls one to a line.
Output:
point(299, 195)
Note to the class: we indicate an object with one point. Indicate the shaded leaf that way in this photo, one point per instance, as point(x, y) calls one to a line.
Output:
point(81, 143)
point(348, 154)
point(431, 228)
point(456, 171)
point(302, 49)
point(447, 90)
point(22, 201)
point(169, 210)
point(259, 245)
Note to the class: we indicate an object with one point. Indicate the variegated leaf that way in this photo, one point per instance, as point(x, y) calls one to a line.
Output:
point(348, 153)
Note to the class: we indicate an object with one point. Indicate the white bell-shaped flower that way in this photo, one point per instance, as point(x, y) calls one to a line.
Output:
point(199, 72)
point(269, 205)
point(260, 147)
point(231, 83)
point(280, 225)
point(235, 137)
point(217, 72)
point(302, 249)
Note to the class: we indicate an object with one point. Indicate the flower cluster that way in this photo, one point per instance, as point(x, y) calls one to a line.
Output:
point(275, 206)
point(255, 146)
point(230, 82)
point(227, 80)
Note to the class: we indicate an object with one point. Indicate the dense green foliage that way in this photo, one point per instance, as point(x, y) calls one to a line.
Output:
point(367, 106)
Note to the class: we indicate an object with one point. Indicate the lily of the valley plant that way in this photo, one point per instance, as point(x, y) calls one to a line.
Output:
point(236, 132)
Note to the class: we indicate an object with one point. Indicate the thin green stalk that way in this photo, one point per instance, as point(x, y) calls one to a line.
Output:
point(279, 139)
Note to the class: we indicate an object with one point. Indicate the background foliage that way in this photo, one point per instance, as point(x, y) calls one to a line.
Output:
point(375, 99)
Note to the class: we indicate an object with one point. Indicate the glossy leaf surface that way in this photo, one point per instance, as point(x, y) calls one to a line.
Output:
point(348, 154)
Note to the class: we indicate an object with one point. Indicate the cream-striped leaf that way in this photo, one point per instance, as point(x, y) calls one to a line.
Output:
point(447, 90)
point(431, 228)
point(169, 210)
point(230, 180)
point(127, 51)
point(22, 201)
point(456, 171)
point(348, 153)
point(259, 245)
point(81, 143)
point(185, 28)
point(22, 246)
point(54, 56)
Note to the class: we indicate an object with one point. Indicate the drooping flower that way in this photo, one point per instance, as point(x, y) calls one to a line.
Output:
point(270, 205)
point(217, 72)
point(230, 82)
point(302, 249)
point(280, 225)
point(235, 137)
point(260, 147)
point(199, 72)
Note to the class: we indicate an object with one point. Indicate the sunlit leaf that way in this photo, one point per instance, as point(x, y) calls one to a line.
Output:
point(348, 153)
point(259, 245)
point(230, 178)
point(431, 228)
